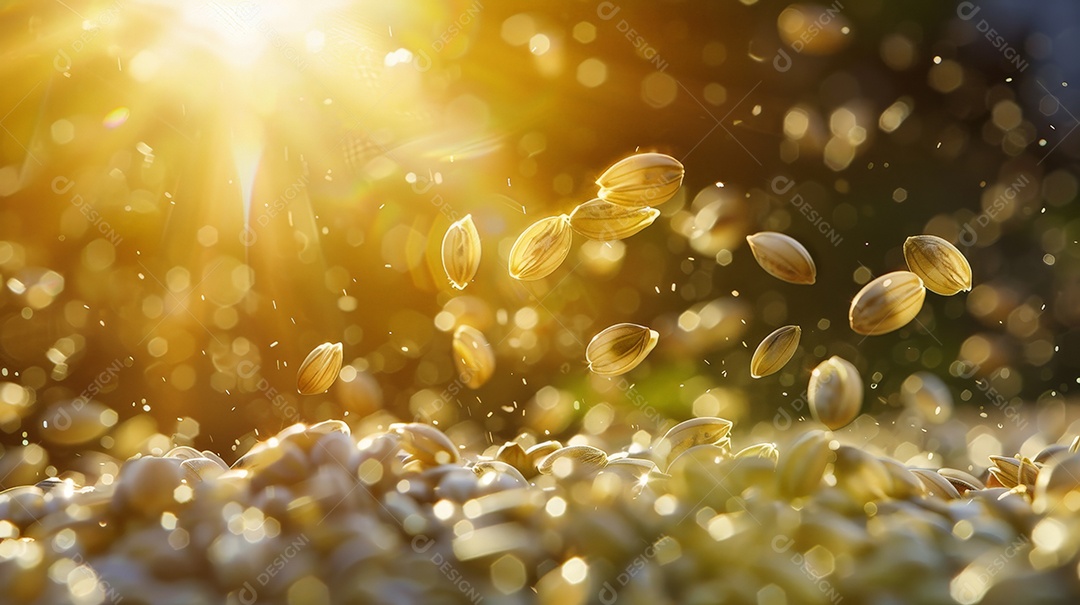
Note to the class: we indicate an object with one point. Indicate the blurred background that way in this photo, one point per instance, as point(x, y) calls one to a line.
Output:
point(194, 195)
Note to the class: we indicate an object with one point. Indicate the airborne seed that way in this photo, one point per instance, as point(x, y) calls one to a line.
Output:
point(461, 252)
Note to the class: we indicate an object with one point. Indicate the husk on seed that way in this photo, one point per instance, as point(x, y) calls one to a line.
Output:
point(690, 433)
point(887, 303)
point(461, 252)
point(605, 221)
point(760, 450)
point(943, 269)
point(783, 257)
point(473, 356)
point(643, 179)
point(775, 351)
point(320, 369)
point(573, 459)
point(541, 248)
point(802, 465)
point(620, 348)
point(425, 442)
point(835, 392)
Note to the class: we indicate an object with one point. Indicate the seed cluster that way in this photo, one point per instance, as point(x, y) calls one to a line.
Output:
point(403, 514)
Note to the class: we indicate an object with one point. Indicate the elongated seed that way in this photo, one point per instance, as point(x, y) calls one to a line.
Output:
point(573, 459)
point(783, 257)
point(320, 369)
point(835, 392)
point(687, 434)
point(541, 248)
point(427, 443)
point(461, 252)
point(604, 221)
point(643, 179)
point(473, 356)
point(620, 348)
point(802, 465)
point(887, 303)
point(943, 269)
point(774, 351)
point(760, 450)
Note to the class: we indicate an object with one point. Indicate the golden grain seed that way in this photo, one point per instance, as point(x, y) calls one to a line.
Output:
point(579, 458)
point(887, 303)
point(802, 464)
point(643, 179)
point(936, 485)
point(904, 483)
point(1057, 482)
point(760, 450)
point(860, 474)
point(962, 481)
point(483, 467)
point(775, 351)
point(513, 454)
point(184, 452)
point(620, 348)
point(538, 452)
point(689, 433)
point(426, 443)
point(461, 252)
point(1048, 453)
point(632, 463)
point(943, 269)
point(1014, 471)
point(835, 392)
point(541, 248)
point(200, 469)
point(783, 257)
point(320, 369)
point(605, 221)
point(473, 356)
